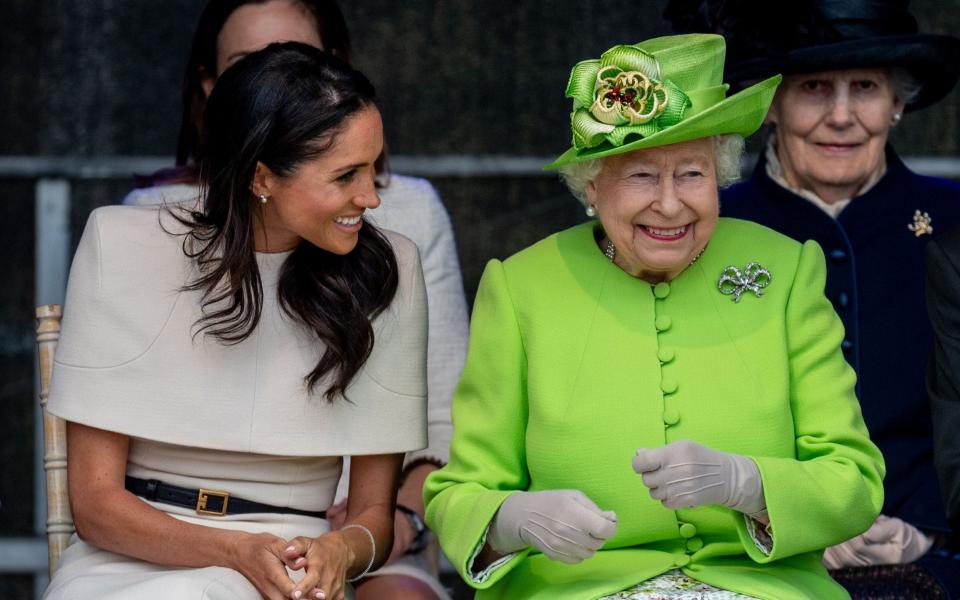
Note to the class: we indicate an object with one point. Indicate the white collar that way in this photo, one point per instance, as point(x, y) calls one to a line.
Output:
point(775, 172)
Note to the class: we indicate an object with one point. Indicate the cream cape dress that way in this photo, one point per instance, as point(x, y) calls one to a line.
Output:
point(412, 207)
point(200, 414)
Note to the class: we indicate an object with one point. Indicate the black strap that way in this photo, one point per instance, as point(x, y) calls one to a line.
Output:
point(420, 541)
point(207, 502)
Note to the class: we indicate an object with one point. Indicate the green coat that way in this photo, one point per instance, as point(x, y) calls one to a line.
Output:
point(573, 365)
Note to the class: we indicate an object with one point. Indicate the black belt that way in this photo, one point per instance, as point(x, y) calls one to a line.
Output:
point(207, 502)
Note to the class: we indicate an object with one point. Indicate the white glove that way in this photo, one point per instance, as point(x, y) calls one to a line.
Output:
point(889, 541)
point(563, 524)
point(685, 474)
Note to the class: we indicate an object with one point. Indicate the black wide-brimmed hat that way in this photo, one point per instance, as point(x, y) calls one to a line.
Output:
point(766, 37)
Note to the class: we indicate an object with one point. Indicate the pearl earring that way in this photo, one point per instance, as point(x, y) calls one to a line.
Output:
point(263, 198)
point(896, 118)
point(591, 210)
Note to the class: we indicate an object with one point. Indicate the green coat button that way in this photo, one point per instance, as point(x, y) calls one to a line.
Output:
point(668, 385)
point(661, 290)
point(671, 416)
point(666, 354)
point(694, 544)
point(688, 530)
point(663, 323)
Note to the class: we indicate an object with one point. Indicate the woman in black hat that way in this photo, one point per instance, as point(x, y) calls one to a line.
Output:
point(828, 173)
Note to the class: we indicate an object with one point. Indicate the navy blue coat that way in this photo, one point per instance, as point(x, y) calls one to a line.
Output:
point(875, 279)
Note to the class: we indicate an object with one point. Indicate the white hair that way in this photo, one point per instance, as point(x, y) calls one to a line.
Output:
point(727, 153)
point(905, 86)
point(728, 158)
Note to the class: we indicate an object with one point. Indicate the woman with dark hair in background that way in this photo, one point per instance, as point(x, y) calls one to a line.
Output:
point(218, 359)
point(229, 29)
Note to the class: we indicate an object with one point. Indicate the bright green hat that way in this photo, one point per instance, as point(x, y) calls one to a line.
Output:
point(658, 92)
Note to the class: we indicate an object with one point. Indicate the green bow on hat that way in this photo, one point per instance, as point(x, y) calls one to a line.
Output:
point(662, 91)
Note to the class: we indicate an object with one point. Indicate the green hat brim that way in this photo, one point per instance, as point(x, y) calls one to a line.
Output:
point(741, 113)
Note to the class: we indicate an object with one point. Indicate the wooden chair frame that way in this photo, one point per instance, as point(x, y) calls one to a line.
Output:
point(59, 520)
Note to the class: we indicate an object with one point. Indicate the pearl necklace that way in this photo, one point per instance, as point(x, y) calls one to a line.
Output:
point(610, 251)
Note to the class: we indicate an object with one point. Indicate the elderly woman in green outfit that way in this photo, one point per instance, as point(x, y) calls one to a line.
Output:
point(655, 405)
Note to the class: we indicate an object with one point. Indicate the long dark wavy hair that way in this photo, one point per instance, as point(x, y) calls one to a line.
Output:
point(282, 106)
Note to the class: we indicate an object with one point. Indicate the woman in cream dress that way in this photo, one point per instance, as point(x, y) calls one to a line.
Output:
point(230, 29)
point(216, 364)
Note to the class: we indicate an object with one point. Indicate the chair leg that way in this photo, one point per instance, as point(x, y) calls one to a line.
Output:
point(59, 520)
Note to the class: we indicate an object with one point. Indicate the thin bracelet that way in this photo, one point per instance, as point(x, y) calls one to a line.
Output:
point(373, 552)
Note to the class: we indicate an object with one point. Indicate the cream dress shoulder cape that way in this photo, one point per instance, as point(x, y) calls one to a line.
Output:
point(129, 360)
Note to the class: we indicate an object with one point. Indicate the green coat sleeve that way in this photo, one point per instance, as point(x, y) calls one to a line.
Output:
point(487, 459)
point(833, 489)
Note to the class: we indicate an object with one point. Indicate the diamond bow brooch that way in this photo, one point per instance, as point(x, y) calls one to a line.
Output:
point(734, 282)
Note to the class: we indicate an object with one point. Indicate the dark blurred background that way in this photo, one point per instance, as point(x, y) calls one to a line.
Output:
point(472, 97)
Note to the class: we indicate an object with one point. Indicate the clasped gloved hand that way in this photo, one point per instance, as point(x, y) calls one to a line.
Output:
point(563, 524)
point(889, 541)
point(685, 474)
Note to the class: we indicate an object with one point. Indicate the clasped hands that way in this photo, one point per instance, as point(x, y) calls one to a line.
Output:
point(569, 527)
point(264, 559)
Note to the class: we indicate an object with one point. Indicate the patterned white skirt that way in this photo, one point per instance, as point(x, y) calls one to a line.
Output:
point(674, 585)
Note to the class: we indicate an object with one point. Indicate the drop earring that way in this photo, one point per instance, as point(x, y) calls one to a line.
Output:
point(591, 211)
point(263, 198)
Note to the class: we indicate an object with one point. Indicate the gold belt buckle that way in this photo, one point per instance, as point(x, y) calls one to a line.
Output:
point(204, 495)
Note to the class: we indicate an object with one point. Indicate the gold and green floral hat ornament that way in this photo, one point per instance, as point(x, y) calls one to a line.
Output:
point(658, 92)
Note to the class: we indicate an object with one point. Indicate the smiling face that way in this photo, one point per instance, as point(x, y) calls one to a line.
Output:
point(323, 200)
point(659, 206)
point(832, 128)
